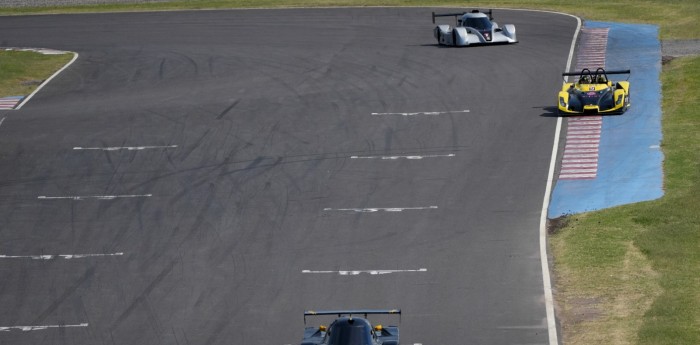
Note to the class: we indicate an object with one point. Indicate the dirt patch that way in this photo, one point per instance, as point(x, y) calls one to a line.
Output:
point(676, 48)
point(31, 82)
point(583, 309)
point(556, 224)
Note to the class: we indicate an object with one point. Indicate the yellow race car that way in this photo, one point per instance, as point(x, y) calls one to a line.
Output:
point(594, 93)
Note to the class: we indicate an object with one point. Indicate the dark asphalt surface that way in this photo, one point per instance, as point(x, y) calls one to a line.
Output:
point(267, 108)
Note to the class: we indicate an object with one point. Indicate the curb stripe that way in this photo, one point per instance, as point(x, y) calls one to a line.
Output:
point(580, 159)
point(9, 103)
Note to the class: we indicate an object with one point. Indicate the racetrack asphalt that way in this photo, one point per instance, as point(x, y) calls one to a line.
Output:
point(242, 146)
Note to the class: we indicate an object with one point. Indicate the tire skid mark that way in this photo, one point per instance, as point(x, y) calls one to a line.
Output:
point(228, 109)
point(67, 293)
point(142, 297)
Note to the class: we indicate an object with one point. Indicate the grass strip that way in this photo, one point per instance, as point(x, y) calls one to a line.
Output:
point(21, 72)
point(631, 274)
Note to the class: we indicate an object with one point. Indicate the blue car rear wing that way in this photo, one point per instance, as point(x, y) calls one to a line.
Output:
point(626, 71)
point(599, 72)
point(351, 312)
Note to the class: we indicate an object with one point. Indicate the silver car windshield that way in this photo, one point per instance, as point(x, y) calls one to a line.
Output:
point(480, 23)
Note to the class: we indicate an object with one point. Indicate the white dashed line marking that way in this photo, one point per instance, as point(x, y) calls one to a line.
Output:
point(358, 272)
point(377, 209)
point(99, 197)
point(422, 113)
point(57, 256)
point(38, 328)
point(399, 157)
point(130, 148)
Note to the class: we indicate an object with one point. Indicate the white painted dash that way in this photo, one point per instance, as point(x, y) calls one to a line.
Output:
point(57, 256)
point(402, 157)
point(370, 272)
point(129, 148)
point(422, 113)
point(38, 328)
point(377, 209)
point(99, 197)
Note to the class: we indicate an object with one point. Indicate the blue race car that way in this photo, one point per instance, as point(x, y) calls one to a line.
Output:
point(350, 330)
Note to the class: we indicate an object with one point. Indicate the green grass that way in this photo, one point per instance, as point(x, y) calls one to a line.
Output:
point(677, 19)
point(21, 72)
point(626, 275)
point(672, 241)
point(639, 265)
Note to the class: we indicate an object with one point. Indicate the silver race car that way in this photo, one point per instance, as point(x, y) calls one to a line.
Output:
point(473, 28)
